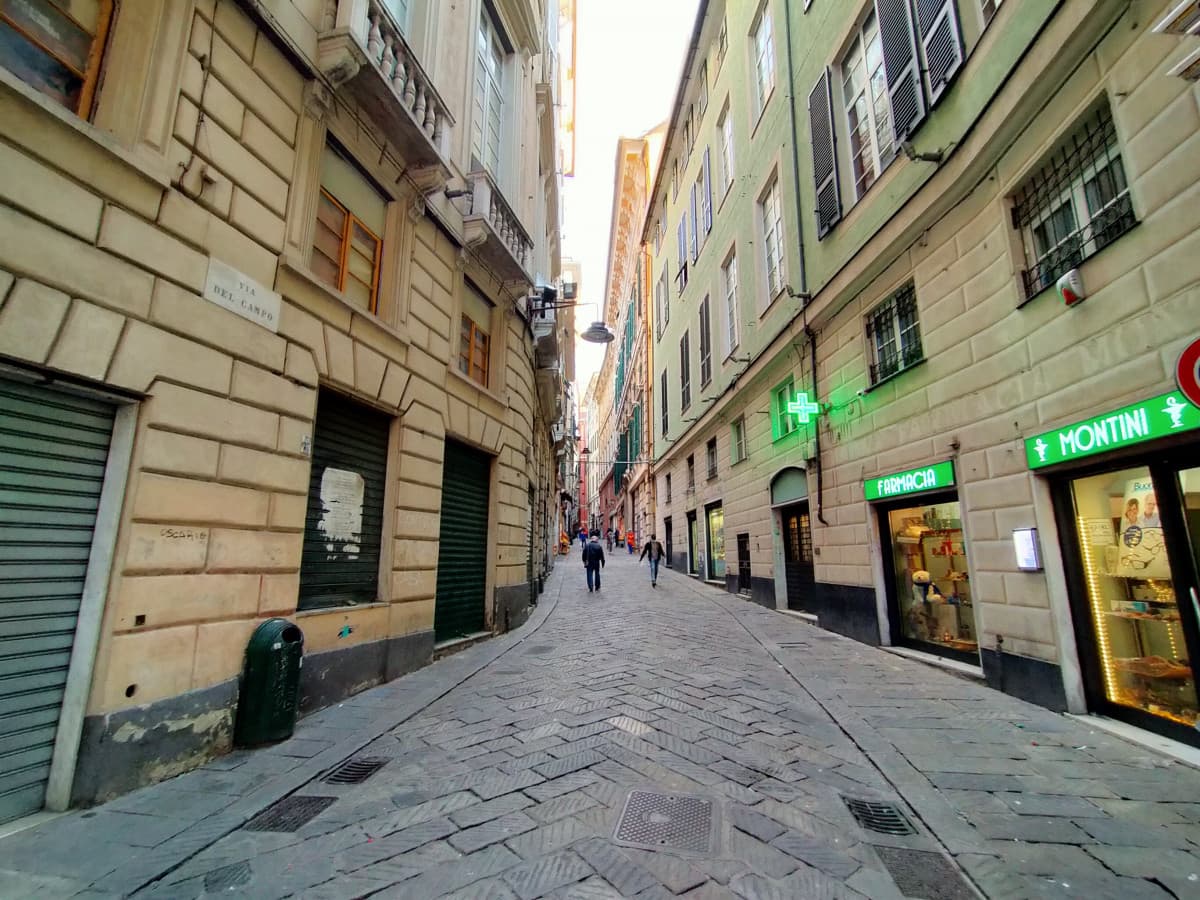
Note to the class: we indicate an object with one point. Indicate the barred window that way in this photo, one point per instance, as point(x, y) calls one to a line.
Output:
point(894, 334)
point(1075, 205)
point(691, 473)
point(667, 487)
point(710, 454)
point(685, 373)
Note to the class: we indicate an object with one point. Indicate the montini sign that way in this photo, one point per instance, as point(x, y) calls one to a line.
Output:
point(914, 481)
point(1158, 417)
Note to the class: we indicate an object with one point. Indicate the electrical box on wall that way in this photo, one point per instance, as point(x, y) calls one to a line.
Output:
point(1070, 288)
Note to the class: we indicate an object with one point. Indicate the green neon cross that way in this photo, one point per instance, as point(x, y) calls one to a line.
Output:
point(801, 408)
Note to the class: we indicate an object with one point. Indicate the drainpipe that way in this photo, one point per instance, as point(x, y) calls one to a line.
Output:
point(812, 335)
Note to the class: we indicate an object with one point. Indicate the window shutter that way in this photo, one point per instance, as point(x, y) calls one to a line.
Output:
point(708, 214)
point(902, 65)
point(820, 120)
point(681, 239)
point(695, 227)
point(940, 37)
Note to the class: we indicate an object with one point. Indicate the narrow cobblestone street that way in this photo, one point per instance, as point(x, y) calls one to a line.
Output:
point(507, 766)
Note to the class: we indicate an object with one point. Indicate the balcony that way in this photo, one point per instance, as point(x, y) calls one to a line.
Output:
point(494, 230)
point(363, 53)
point(549, 384)
point(543, 319)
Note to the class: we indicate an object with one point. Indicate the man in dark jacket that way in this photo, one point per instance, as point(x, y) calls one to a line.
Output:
point(593, 561)
point(654, 549)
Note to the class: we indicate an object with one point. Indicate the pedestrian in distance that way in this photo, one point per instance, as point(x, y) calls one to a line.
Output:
point(608, 538)
point(654, 549)
point(630, 541)
point(593, 561)
point(583, 537)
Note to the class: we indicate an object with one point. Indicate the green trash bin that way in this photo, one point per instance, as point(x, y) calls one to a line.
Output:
point(270, 688)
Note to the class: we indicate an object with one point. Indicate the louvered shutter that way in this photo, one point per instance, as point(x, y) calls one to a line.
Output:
point(695, 227)
point(820, 120)
point(942, 42)
point(902, 65)
point(681, 238)
point(462, 543)
point(708, 206)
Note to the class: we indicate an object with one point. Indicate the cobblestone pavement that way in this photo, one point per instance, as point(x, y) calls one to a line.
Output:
point(506, 768)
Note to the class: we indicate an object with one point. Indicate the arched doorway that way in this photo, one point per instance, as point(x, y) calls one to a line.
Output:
point(789, 499)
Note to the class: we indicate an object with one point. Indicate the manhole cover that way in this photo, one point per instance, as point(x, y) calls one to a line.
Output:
point(289, 814)
point(540, 649)
point(356, 771)
point(884, 818)
point(230, 876)
point(652, 821)
point(918, 873)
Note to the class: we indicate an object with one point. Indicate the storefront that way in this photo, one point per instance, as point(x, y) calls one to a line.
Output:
point(927, 580)
point(714, 516)
point(1126, 490)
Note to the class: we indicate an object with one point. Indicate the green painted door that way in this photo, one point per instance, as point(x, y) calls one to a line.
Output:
point(53, 449)
point(463, 543)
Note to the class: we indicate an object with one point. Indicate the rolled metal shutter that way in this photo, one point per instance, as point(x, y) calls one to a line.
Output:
point(463, 547)
point(343, 527)
point(53, 449)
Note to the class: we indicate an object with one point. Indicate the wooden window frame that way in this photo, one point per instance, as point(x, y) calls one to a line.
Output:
point(90, 76)
point(475, 330)
point(344, 255)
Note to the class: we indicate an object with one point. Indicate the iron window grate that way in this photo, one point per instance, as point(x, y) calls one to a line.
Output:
point(289, 814)
point(1075, 204)
point(884, 818)
point(355, 771)
point(894, 334)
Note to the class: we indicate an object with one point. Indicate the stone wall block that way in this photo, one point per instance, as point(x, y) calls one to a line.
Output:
point(1026, 589)
point(165, 548)
point(268, 146)
point(79, 269)
point(147, 353)
point(413, 524)
point(220, 650)
point(1120, 384)
point(151, 248)
point(288, 511)
point(999, 493)
point(30, 320)
point(306, 330)
point(264, 551)
point(181, 454)
point(369, 368)
point(411, 616)
point(241, 166)
point(275, 68)
point(341, 356)
point(148, 666)
point(413, 584)
point(219, 101)
point(252, 90)
point(183, 409)
point(256, 220)
point(415, 554)
point(293, 435)
point(162, 600)
point(395, 380)
point(235, 26)
point(42, 192)
point(981, 525)
point(87, 341)
point(241, 465)
point(261, 388)
point(300, 365)
point(1023, 622)
point(278, 593)
point(177, 310)
point(164, 498)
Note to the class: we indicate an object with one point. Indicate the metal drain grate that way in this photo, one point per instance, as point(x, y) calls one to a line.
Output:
point(356, 771)
point(652, 821)
point(289, 814)
point(919, 873)
point(884, 818)
point(227, 877)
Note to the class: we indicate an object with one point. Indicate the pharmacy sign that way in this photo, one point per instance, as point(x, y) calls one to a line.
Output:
point(1154, 418)
point(914, 481)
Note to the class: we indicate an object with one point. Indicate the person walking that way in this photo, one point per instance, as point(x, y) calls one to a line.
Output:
point(593, 561)
point(608, 538)
point(630, 541)
point(583, 537)
point(654, 549)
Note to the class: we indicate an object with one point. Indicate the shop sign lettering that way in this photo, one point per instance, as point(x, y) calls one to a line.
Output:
point(1158, 417)
point(927, 478)
point(241, 295)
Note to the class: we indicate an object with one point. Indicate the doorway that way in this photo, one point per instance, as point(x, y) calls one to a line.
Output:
point(743, 557)
point(714, 520)
point(798, 567)
point(691, 527)
point(667, 538)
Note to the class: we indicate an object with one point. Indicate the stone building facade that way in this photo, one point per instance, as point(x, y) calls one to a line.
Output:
point(268, 269)
point(958, 475)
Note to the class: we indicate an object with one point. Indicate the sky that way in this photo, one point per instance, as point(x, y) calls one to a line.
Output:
point(628, 57)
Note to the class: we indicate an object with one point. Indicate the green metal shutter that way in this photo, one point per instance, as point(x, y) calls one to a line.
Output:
point(463, 543)
point(53, 449)
point(343, 529)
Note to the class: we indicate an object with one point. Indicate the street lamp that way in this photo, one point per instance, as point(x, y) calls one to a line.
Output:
point(596, 333)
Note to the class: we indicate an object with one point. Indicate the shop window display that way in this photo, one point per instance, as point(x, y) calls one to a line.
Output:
point(1136, 618)
point(932, 585)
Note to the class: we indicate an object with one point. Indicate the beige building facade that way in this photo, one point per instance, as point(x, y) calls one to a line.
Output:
point(269, 272)
point(965, 473)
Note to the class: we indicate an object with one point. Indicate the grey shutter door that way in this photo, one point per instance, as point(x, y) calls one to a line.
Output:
point(463, 543)
point(902, 65)
point(708, 209)
point(942, 42)
point(824, 150)
point(53, 449)
point(343, 526)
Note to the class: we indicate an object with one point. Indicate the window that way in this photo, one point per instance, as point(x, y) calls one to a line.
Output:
point(662, 305)
point(722, 45)
point(702, 100)
point(783, 422)
point(685, 373)
point(662, 396)
point(725, 156)
point(675, 180)
point(691, 473)
point(1075, 205)
point(989, 7)
point(764, 57)
point(705, 344)
point(771, 220)
point(705, 187)
point(681, 235)
point(737, 440)
point(488, 120)
point(399, 11)
point(347, 247)
point(729, 286)
point(894, 335)
point(868, 107)
point(667, 487)
point(475, 340)
point(57, 51)
point(710, 453)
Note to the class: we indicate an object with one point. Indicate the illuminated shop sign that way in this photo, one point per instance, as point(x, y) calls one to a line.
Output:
point(1155, 418)
point(914, 481)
